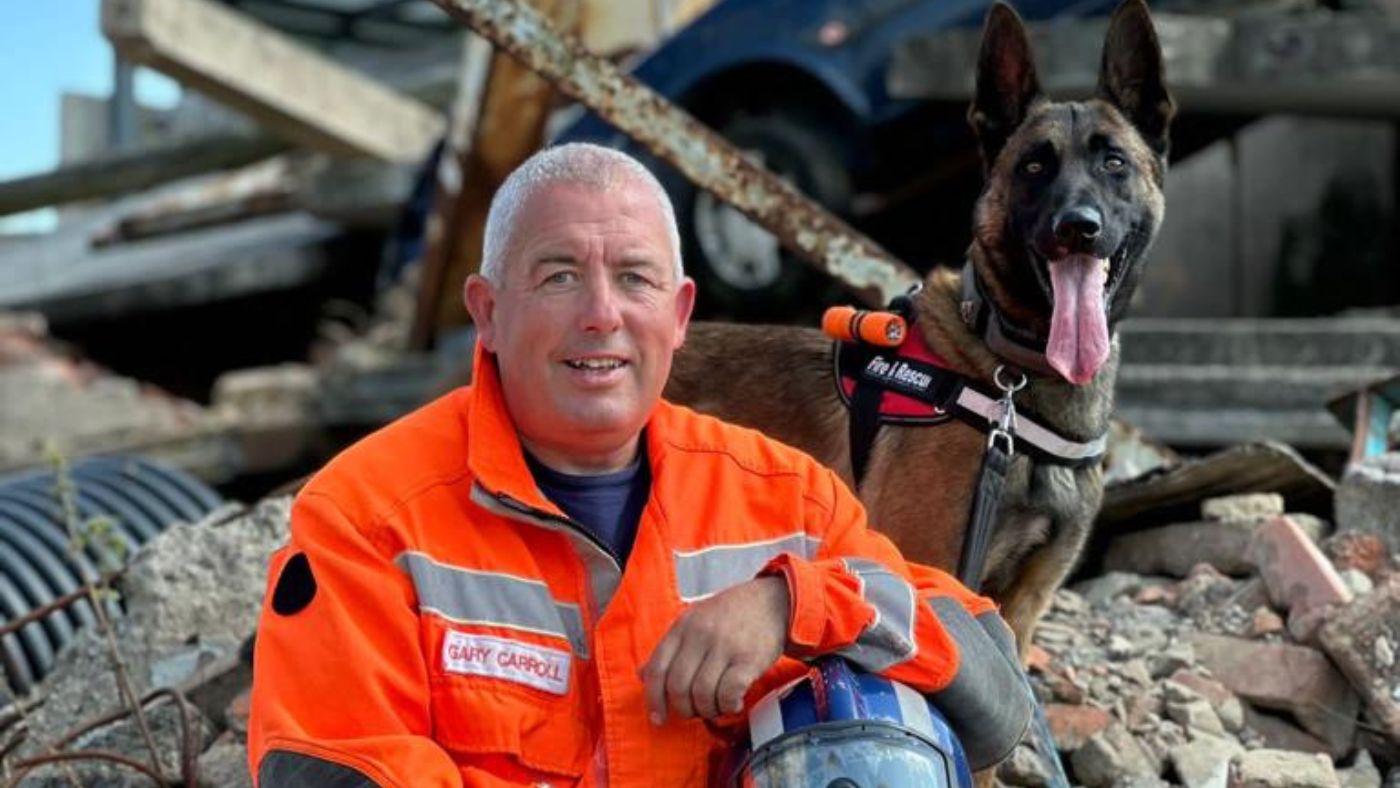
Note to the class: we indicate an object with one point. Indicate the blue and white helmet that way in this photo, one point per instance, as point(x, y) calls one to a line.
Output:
point(837, 727)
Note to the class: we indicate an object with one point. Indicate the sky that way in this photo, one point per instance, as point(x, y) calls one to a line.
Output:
point(47, 48)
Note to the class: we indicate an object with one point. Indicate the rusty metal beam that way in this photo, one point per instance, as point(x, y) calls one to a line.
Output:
point(700, 154)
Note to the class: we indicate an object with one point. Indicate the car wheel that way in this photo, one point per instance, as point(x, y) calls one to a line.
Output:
point(741, 270)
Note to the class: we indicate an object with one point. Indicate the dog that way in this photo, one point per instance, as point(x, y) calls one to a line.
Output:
point(1071, 201)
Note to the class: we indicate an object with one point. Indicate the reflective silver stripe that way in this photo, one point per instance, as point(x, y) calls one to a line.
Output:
point(1031, 431)
point(988, 702)
point(913, 710)
point(493, 599)
point(766, 718)
point(889, 639)
point(710, 570)
point(603, 572)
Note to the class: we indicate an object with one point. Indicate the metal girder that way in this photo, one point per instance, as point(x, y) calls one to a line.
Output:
point(700, 154)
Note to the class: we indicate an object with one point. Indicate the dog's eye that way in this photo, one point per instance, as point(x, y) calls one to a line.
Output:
point(1033, 167)
point(1114, 163)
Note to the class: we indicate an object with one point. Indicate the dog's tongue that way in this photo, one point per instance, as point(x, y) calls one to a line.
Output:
point(1078, 342)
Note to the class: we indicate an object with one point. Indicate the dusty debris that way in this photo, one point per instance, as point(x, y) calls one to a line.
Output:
point(1281, 769)
point(193, 595)
point(1298, 576)
point(1369, 496)
point(1252, 506)
point(47, 395)
point(1362, 640)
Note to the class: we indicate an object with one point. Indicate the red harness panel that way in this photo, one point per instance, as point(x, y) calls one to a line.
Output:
point(900, 407)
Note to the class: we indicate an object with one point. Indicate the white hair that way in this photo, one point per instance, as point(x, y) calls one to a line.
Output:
point(579, 163)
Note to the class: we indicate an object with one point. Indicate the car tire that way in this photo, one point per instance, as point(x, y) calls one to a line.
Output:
point(740, 270)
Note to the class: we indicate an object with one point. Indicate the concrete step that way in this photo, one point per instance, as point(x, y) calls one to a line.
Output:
point(1302, 342)
point(1310, 429)
point(1219, 386)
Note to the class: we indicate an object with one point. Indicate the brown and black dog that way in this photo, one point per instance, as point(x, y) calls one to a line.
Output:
point(1072, 200)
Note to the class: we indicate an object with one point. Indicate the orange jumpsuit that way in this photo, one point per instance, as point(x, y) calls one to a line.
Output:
point(435, 621)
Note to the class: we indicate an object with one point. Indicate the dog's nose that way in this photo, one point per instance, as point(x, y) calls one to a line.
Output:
point(1078, 225)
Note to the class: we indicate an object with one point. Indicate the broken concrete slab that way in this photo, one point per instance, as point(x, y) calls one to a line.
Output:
point(1369, 496)
point(1196, 716)
point(1281, 769)
point(1296, 679)
point(1111, 755)
point(225, 764)
point(124, 738)
point(1175, 549)
point(1248, 506)
point(1226, 704)
point(1362, 640)
point(193, 595)
point(1205, 761)
point(1278, 733)
point(1361, 774)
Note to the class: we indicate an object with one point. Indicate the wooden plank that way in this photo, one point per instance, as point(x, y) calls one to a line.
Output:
point(444, 234)
point(510, 127)
point(1174, 494)
point(134, 171)
point(281, 84)
point(708, 160)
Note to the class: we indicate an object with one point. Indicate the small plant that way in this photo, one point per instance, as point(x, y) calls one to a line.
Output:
point(100, 531)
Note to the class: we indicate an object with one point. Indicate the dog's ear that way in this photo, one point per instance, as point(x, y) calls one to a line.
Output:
point(1132, 77)
point(1006, 81)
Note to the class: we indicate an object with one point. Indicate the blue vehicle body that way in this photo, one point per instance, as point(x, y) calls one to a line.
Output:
point(804, 82)
point(738, 36)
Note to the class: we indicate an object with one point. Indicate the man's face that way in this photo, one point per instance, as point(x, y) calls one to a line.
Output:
point(584, 321)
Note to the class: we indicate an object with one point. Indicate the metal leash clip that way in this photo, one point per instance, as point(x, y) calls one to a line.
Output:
point(1004, 427)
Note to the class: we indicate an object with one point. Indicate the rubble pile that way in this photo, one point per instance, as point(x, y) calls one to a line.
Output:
point(192, 597)
point(48, 396)
point(1249, 648)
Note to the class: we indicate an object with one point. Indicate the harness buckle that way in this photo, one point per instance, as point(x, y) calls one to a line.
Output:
point(1004, 426)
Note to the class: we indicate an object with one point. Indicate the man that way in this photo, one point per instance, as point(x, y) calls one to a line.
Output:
point(552, 576)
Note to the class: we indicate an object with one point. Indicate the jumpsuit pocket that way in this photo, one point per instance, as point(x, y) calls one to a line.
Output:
point(513, 733)
point(506, 703)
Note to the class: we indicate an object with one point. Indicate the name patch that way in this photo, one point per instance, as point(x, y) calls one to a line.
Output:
point(523, 663)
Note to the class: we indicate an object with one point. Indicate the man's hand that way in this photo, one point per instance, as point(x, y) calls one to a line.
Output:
point(717, 649)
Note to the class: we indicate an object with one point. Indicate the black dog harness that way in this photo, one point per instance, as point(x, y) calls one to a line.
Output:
point(911, 385)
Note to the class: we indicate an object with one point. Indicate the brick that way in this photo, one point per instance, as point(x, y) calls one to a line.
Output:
point(1037, 659)
point(1072, 726)
point(1299, 577)
point(236, 713)
point(1357, 550)
point(1264, 622)
point(1296, 679)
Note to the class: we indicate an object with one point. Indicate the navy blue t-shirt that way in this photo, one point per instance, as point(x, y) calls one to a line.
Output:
point(609, 505)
